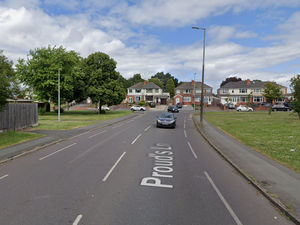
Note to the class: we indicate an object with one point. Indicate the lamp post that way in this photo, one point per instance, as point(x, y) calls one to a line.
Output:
point(202, 83)
point(58, 93)
point(194, 90)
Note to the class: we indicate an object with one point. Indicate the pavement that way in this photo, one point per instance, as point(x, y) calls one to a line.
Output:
point(278, 183)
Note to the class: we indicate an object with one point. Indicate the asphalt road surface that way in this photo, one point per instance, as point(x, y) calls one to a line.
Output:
point(130, 173)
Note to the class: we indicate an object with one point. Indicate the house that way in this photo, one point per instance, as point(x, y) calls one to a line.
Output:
point(148, 92)
point(187, 92)
point(239, 92)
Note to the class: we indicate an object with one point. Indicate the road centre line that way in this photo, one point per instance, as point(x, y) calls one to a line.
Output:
point(184, 131)
point(96, 134)
point(110, 171)
point(234, 216)
point(77, 220)
point(57, 151)
point(196, 157)
point(147, 128)
point(136, 139)
point(4, 176)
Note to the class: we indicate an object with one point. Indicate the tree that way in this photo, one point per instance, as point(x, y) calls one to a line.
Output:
point(230, 79)
point(134, 80)
point(164, 78)
point(170, 87)
point(295, 87)
point(6, 75)
point(40, 72)
point(156, 81)
point(103, 81)
point(272, 92)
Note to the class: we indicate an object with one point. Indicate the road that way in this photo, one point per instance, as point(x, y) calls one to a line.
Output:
point(130, 173)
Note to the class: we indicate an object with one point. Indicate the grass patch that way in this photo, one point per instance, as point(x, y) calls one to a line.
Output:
point(75, 119)
point(11, 138)
point(276, 135)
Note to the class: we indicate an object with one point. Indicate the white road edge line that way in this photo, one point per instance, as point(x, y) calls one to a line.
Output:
point(96, 134)
point(184, 125)
point(136, 139)
point(79, 135)
point(192, 150)
point(110, 171)
point(6, 175)
point(147, 128)
point(184, 131)
point(77, 220)
point(234, 216)
point(57, 151)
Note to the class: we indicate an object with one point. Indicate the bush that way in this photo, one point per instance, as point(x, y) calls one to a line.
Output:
point(61, 110)
point(41, 110)
point(141, 103)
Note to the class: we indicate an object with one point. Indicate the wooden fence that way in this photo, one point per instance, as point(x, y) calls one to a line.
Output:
point(17, 116)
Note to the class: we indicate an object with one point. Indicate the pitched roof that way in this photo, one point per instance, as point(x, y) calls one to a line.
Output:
point(142, 85)
point(247, 84)
point(190, 85)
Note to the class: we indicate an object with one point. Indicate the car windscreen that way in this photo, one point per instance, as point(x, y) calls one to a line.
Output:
point(166, 115)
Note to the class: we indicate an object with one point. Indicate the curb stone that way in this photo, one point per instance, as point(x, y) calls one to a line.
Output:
point(274, 201)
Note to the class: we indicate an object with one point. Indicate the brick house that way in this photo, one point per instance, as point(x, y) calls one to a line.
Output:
point(148, 92)
point(239, 92)
point(186, 92)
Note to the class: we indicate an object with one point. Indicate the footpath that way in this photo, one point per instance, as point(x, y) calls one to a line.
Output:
point(276, 182)
point(52, 137)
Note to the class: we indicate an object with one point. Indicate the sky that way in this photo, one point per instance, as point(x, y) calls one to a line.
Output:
point(250, 39)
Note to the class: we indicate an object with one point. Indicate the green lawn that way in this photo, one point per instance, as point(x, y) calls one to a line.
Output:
point(276, 135)
point(75, 119)
point(11, 138)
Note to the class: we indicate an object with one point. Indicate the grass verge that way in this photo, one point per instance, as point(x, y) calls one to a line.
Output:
point(75, 119)
point(11, 138)
point(276, 135)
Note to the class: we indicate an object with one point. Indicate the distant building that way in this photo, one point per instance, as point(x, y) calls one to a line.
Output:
point(239, 92)
point(148, 92)
point(186, 92)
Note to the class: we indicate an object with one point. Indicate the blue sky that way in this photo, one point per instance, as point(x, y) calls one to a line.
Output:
point(251, 39)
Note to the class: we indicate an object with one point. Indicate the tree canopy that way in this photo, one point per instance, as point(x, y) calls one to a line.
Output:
point(170, 87)
point(102, 80)
point(157, 82)
point(230, 79)
point(164, 77)
point(40, 72)
point(272, 92)
point(295, 87)
point(136, 78)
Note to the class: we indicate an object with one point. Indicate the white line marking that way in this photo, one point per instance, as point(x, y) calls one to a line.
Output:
point(147, 128)
point(184, 125)
point(96, 134)
point(79, 134)
point(57, 151)
point(6, 175)
point(185, 133)
point(196, 157)
point(234, 216)
point(136, 139)
point(116, 163)
point(77, 220)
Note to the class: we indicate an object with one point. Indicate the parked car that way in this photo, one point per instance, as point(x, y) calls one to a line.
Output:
point(179, 105)
point(172, 108)
point(152, 104)
point(166, 119)
point(280, 108)
point(105, 107)
point(137, 108)
point(244, 108)
point(231, 106)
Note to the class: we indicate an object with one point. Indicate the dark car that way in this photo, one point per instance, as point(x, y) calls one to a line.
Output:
point(152, 104)
point(280, 108)
point(166, 119)
point(179, 105)
point(172, 108)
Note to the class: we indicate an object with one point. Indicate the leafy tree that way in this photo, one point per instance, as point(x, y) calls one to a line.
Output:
point(156, 81)
point(230, 79)
point(295, 87)
point(272, 92)
point(103, 81)
point(164, 78)
point(134, 80)
point(40, 72)
point(6, 75)
point(170, 87)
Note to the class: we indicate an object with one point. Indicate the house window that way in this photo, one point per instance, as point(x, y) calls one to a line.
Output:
point(186, 99)
point(149, 91)
point(197, 99)
point(177, 91)
point(130, 90)
point(224, 91)
point(243, 99)
point(258, 99)
point(243, 90)
point(198, 91)
point(232, 91)
point(187, 91)
point(207, 90)
point(156, 90)
point(137, 99)
point(130, 99)
point(137, 90)
point(257, 90)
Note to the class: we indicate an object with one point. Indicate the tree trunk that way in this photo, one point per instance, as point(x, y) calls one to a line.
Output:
point(99, 107)
point(299, 115)
point(270, 110)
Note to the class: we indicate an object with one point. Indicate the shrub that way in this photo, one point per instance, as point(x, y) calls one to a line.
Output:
point(61, 110)
point(141, 103)
point(41, 110)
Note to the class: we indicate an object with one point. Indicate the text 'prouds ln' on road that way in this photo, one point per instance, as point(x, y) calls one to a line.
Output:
point(162, 171)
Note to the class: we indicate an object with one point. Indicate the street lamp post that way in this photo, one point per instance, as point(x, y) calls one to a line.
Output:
point(194, 91)
point(58, 93)
point(202, 84)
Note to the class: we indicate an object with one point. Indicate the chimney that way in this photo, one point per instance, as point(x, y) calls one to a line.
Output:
point(193, 82)
point(248, 82)
point(145, 82)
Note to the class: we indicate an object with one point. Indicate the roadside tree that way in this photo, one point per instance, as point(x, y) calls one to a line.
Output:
point(170, 87)
point(164, 77)
point(103, 82)
point(134, 80)
point(272, 92)
point(295, 87)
